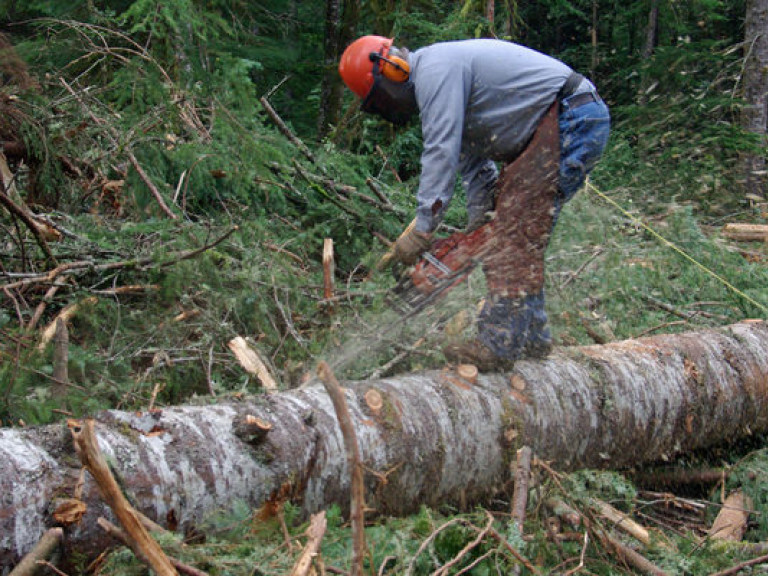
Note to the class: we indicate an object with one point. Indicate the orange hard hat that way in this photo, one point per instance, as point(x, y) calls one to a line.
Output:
point(356, 65)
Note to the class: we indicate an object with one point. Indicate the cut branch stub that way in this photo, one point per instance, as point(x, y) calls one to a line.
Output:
point(468, 372)
point(251, 429)
point(373, 400)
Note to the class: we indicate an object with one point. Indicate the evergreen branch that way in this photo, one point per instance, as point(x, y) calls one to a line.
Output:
point(114, 137)
point(83, 265)
point(283, 127)
point(24, 216)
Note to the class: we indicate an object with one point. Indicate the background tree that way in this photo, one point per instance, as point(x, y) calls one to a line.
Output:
point(755, 113)
point(652, 29)
point(341, 18)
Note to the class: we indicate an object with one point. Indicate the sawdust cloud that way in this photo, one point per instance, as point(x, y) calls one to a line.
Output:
point(377, 344)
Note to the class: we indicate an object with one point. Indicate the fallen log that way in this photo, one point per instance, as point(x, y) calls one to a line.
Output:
point(746, 232)
point(433, 438)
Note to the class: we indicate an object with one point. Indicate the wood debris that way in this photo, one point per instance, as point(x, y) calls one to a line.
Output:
point(251, 361)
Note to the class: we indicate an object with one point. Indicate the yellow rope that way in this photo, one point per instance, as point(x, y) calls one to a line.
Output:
point(591, 187)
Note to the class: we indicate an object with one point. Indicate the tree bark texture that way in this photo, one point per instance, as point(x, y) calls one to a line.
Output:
point(755, 113)
point(341, 18)
point(651, 30)
point(435, 438)
point(330, 88)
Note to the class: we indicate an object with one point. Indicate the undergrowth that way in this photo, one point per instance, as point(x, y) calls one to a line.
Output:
point(482, 541)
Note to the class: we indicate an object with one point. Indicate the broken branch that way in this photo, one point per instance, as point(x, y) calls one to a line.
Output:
point(119, 534)
point(139, 539)
point(288, 134)
point(252, 363)
point(357, 488)
point(43, 550)
point(315, 533)
point(520, 494)
point(25, 217)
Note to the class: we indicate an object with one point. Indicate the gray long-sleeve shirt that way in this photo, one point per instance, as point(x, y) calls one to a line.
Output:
point(480, 101)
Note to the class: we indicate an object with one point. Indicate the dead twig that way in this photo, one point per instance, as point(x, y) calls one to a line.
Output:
point(315, 533)
point(659, 327)
point(138, 539)
point(88, 265)
point(739, 567)
point(425, 544)
point(151, 185)
point(287, 319)
point(581, 558)
point(522, 479)
point(51, 567)
point(357, 504)
point(43, 550)
point(598, 251)
point(396, 359)
point(443, 570)
point(119, 534)
point(509, 548)
point(30, 222)
point(290, 135)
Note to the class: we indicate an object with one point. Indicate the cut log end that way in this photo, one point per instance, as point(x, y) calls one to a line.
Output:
point(517, 382)
point(373, 400)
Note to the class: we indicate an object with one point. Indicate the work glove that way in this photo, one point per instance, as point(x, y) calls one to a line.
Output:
point(411, 245)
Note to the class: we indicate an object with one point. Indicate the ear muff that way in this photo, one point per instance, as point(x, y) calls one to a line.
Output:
point(393, 67)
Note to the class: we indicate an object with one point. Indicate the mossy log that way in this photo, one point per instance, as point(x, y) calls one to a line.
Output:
point(430, 438)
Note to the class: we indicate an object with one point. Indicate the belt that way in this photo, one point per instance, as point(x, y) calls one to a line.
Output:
point(570, 86)
point(578, 100)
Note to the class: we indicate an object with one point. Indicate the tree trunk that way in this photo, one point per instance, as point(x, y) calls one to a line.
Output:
point(594, 38)
point(340, 20)
point(755, 113)
point(433, 436)
point(651, 30)
point(490, 15)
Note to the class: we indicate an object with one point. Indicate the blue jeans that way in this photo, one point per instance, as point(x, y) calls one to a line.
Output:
point(513, 327)
point(584, 134)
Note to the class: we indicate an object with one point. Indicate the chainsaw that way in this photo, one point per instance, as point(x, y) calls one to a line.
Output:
point(448, 263)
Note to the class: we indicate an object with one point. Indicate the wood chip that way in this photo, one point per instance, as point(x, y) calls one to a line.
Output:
point(250, 360)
